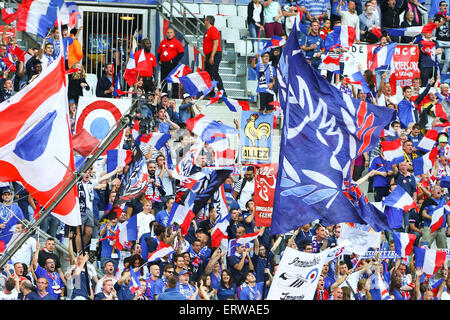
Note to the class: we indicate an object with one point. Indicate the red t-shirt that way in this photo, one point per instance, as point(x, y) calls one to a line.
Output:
point(169, 49)
point(145, 67)
point(211, 34)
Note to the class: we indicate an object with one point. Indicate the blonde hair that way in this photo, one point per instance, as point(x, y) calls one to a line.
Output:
point(77, 75)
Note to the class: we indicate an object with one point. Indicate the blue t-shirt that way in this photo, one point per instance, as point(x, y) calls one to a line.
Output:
point(171, 294)
point(123, 292)
point(55, 283)
point(406, 182)
point(380, 165)
point(232, 261)
point(317, 40)
point(106, 245)
point(251, 293)
point(9, 215)
point(223, 293)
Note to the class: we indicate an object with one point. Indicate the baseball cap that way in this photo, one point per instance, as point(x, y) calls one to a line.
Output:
point(186, 95)
point(164, 94)
point(443, 139)
point(6, 190)
point(184, 272)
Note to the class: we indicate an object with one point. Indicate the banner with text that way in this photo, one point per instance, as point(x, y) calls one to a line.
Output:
point(265, 181)
point(256, 137)
point(406, 61)
point(297, 275)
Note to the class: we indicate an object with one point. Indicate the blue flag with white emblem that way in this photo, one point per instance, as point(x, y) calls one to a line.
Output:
point(323, 131)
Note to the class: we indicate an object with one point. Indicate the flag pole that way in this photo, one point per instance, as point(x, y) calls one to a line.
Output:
point(123, 122)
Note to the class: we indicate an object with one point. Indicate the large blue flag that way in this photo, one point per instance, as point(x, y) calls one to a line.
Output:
point(323, 131)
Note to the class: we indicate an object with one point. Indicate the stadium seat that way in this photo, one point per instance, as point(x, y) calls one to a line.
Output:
point(193, 8)
point(227, 10)
point(208, 9)
point(242, 11)
point(91, 79)
point(176, 11)
point(236, 22)
point(220, 23)
point(230, 35)
point(240, 47)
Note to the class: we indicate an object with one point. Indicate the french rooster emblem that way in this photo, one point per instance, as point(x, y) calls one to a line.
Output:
point(254, 132)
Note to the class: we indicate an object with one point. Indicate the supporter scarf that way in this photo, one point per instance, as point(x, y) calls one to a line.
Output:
point(82, 195)
point(196, 259)
point(152, 192)
point(186, 290)
point(266, 74)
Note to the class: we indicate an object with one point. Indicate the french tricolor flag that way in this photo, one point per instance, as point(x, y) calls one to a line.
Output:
point(117, 158)
point(404, 243)
point(341, 36)
point(179, 71)
point(382, 56)
point(236, 105)
point(399, 198)
point(393, 151)
point(181, 215)
point(437, 218)
point(161, 251)
point(428, 141)
point(330, 64)
point(275, 42)
point(412, 31)
point(249, 237)
point(127, 232)
point(155, 139)
point(211, 131)
point(219, 231)
point(426, 162)
point(131, 73)
point(37, 16)
point(429, 260)
point(135, 284)
point(197, 82)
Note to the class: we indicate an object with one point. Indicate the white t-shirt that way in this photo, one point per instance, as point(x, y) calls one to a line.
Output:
point(246, 194)
point(445, 295)
point(25, 252)
point(143, 223)
point(12, 296)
